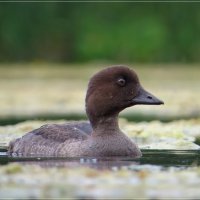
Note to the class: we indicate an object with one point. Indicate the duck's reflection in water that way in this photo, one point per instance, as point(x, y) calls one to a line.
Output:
point(96, 163)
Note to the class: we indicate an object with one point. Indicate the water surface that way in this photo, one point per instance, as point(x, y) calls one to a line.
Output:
point(164, 158)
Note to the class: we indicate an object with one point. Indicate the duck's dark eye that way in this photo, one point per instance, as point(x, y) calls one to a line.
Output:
point(121, 82)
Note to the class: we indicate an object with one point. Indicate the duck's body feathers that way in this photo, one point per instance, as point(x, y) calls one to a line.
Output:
point(49, 137)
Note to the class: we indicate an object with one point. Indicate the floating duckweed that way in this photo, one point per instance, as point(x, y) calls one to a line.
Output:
point(135, 181)
point(174, 135)
point(13, 169)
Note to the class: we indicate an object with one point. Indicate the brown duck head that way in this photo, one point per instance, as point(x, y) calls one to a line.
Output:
point(113, 89)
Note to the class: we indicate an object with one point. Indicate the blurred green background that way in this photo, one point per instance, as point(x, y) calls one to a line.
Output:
point(48, 52)
point(77, 32)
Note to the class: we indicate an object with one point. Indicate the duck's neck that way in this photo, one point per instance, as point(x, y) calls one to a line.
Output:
point(105, 125)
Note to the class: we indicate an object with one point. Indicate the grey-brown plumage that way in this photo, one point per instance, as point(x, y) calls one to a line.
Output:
point(109, 92)
point(48, 139)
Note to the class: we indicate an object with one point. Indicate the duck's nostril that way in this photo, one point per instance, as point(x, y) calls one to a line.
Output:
point(149, 97)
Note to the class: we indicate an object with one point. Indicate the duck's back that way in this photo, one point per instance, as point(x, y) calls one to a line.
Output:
point(50, 139)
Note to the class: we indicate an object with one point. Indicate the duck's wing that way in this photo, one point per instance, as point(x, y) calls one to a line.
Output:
point(46, 139)
point(63, 132)
point(83, 126)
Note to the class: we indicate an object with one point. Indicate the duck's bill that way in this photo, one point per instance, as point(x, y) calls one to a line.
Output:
point(146, 98)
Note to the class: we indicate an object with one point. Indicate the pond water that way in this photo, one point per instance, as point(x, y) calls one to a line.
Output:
point(159, 173)
point(164, 158)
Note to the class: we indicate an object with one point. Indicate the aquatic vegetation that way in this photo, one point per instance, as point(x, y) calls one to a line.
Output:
point(137, 182)
point(36, 89)
point(180, 134)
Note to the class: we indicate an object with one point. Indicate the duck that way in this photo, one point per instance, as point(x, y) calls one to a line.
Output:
point(109, 91)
